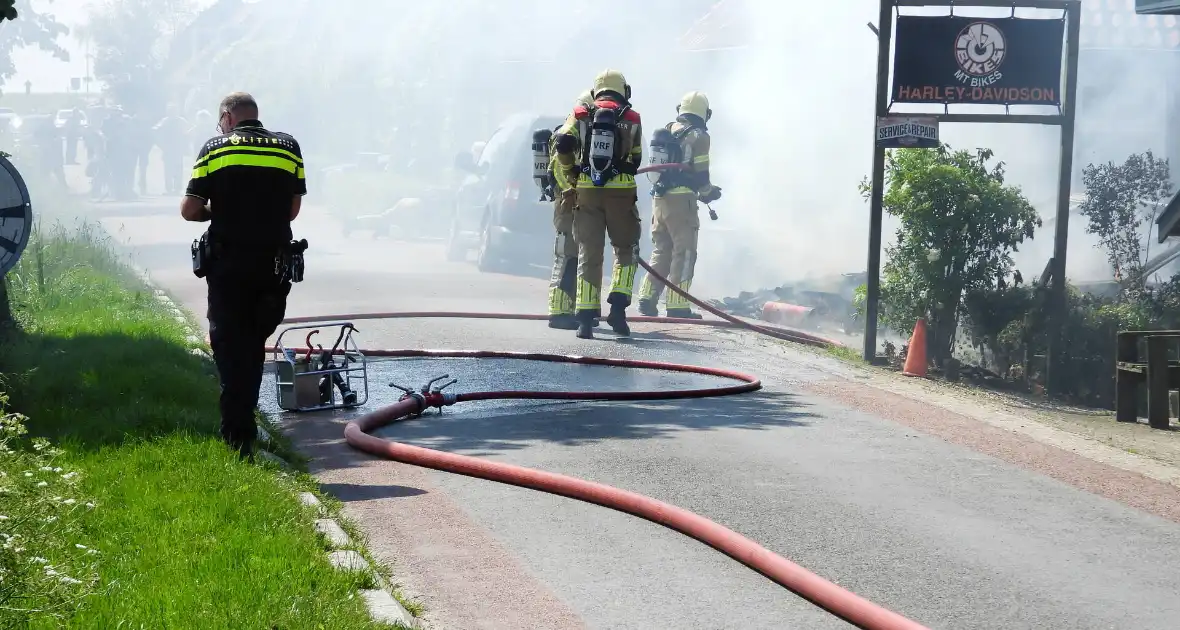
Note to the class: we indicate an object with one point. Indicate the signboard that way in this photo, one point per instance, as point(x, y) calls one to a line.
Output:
point(907, 132)
point(978, 61)
point(16, 216)
point(1157, 7)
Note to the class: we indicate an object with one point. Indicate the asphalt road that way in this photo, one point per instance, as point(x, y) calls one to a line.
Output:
point(938, 532)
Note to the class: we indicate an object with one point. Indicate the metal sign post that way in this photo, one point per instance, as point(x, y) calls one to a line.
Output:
point(988, 61)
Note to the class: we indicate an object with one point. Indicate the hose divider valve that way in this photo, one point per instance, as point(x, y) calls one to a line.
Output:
point(436, 397)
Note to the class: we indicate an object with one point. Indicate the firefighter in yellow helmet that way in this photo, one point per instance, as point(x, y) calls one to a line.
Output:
point(602, 146)
point(675, 223)
point(563, 280)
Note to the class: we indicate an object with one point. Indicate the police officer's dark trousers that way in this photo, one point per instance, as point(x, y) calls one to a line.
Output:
point(247, 302)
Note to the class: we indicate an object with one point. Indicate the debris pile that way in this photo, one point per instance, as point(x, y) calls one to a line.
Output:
point(814, 304)
point(749, 303)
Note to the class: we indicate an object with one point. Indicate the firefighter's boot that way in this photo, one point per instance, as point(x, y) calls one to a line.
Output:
point(683, 313)
point(647, 308)
point(617, 318)
point(563, 322)
point(586, 323)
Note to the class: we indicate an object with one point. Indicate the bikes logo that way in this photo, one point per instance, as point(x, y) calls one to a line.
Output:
point(980, 49)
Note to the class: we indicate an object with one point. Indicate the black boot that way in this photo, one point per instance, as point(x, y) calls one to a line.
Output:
point(683, 313)
point(586, 323)
point(647, 308)
point(563, 322)
point(617, 318)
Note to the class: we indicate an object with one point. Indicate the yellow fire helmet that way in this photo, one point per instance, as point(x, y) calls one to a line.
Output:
point(585, 98)
point(612, 81)
point(695, 103)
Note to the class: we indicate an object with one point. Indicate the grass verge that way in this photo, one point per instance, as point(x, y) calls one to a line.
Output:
point(180, 533)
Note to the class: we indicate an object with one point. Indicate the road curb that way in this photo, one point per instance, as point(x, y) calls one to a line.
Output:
point(382, 605)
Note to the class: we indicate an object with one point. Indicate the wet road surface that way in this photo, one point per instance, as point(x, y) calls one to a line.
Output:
point(935, 531)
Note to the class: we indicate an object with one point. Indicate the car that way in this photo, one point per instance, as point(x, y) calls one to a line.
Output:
point(65, 115)
point(9, 120)
point(498, 211)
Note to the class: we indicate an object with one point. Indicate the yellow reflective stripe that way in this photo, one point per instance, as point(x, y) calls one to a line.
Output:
point(680, 190)
point(618, 181)
point(675, 300)
point(623, 280)
point(199, 172)
point(239, 159)
point(563, 182)
point(589, 296)
point(299, 172)
point(647, 290)
point(252, 148)
point(560, 302)
point(701, 159)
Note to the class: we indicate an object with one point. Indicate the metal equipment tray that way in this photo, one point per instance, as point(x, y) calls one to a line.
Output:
point(302, 383)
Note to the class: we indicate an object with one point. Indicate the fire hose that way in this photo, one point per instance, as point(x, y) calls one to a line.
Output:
point(825, 594)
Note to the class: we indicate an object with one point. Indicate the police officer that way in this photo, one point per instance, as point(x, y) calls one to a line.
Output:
point(675, 223)
point(608, 137)
point(563, 280)
point(248, 183)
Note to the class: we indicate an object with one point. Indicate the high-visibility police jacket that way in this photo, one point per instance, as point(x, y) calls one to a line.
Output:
point(628, 143)
point(249, 176)
point(694, 147)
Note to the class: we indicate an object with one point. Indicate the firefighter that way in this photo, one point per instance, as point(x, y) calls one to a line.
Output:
point(675, 224)
point(563, 280)
point(602, 146)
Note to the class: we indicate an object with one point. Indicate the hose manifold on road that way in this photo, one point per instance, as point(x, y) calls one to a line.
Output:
point(358, 433)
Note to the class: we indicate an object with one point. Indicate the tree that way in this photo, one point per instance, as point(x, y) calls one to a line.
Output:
point(1121, 203)
point(31, 29)
point(960, 225)
point(130, 42)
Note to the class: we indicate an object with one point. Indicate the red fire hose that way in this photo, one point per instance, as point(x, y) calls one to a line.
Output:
point(819, 591)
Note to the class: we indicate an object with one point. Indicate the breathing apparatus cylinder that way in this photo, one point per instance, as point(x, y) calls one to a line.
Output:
point(663, 151)
point(541, 157)
point(602, 145)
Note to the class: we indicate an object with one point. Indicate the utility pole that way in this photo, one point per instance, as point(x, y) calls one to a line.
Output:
point(884, 31)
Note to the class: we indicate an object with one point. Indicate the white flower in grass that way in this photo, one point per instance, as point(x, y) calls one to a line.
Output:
point(38, 560)
point(65, 579)
point(47, 469)
point(3, 518)
point(70, 475)
point(42, 484)
point(79, 546)
point(28, 474)
point(90, 505)
point(50, 519)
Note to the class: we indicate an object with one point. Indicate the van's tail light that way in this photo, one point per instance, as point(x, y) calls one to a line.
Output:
point(512, 192)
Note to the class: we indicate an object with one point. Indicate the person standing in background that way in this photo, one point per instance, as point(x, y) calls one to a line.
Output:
point(171, 135)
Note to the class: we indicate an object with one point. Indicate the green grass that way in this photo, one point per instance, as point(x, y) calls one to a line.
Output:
point(187, 536)
point(846, 353)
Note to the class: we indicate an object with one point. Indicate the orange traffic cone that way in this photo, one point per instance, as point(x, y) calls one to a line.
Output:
point(915, 358)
